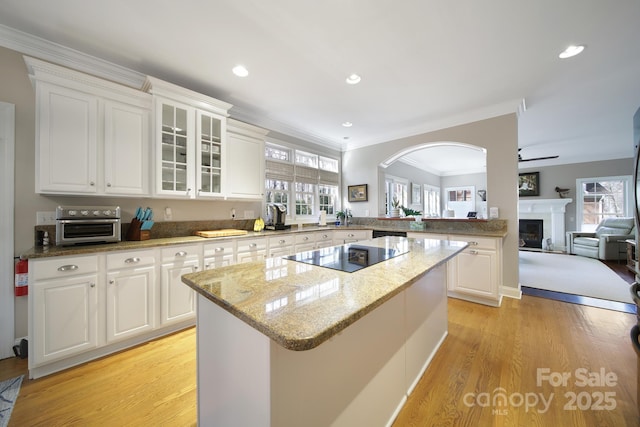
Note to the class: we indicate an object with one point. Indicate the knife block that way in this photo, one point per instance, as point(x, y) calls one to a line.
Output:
point(135, 233)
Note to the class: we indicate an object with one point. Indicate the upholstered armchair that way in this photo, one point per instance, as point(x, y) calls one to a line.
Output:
point(606, 243)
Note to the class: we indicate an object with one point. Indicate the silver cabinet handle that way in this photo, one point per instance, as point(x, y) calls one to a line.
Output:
point(305, 238)
point(473, 243)
point(473, 252)
point(351, 235)
point(281, 242)
point(219, 249)
point(181, 254)
point(132, 260)
point(68, 267)
point(253, 245)
point(324, 236)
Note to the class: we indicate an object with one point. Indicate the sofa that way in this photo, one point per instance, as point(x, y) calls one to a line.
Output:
point(606, 242)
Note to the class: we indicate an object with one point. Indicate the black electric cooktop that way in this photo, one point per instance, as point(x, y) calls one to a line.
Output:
point(348, 258)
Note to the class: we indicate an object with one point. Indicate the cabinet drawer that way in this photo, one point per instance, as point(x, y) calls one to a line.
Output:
point(219, 248)
point(247, 245)
point(476, 242)
point(355, 234)
point(303, 238)
point(130, 259)
point(281, 241)
point(323, 237)
point(180, 253)
point(64, 267)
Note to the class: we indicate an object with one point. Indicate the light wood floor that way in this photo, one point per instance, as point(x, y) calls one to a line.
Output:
point(488, 351)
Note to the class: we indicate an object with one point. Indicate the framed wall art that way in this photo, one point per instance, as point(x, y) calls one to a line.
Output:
point(357, 193)
point(529, 184)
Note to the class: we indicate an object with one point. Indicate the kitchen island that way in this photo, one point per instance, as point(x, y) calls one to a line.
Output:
point(286, 343)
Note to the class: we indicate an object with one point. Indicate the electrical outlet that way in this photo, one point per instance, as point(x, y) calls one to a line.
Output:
point(168, 215)
point(45, 218)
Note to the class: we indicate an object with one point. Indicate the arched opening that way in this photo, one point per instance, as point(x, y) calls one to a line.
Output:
point(436, 179)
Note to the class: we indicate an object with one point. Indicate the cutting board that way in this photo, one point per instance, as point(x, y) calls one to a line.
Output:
point(221, 233)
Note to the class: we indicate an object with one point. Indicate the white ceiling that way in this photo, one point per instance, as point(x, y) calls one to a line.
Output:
point(425, 64)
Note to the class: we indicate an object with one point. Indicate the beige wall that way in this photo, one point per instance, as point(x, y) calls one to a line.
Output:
point(498, 135)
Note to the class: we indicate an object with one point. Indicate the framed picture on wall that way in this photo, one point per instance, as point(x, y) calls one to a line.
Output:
point(357, 193)
point(529, 184)
point(416, 193)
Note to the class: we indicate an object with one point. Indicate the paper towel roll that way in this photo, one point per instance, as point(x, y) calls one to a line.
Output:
point(323, 218)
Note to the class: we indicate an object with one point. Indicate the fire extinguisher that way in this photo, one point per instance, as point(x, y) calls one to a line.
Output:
point(22, 277)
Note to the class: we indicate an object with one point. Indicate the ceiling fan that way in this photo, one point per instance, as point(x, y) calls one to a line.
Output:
point(520, 159)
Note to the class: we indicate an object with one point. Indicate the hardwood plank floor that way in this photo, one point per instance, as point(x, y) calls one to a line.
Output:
point(488, 349)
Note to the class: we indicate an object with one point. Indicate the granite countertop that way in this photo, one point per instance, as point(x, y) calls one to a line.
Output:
point(495, 228)
point(300, 306)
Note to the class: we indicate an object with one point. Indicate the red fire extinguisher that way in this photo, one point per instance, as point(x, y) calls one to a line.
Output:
point(22, 277)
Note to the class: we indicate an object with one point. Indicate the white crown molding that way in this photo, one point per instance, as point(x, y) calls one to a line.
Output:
point(61, 55)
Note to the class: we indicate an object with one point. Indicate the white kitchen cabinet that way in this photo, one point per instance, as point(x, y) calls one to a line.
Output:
point(92, 136)
point(251, 249)
point(281, 245)
point(131, 294)
point(245, 152)
point(324, 239)
point(340, 237)
point(190, 142)
point(304, 242)
point(219, 254)
point(177, 301)
point(64, 308)
point(126, 149)
point(475, 273)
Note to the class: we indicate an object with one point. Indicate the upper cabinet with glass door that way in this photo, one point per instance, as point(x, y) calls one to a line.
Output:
point(190, 141)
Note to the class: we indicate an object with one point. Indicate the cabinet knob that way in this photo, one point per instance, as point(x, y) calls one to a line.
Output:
point(181, 254)
point(351, 235)
point(195, 268)
point(132, 260)
point(324, 236)
point(108, 184)
point(281, 242)
point(111, 282)
point(306, 238)
point(473, 243)
point(219, 249)
point(93, 285)
point(473, 252)
point(253, 245)
point(92, 183)
point(68, 267)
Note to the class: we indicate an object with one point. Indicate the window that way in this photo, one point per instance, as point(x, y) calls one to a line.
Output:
point(431, 201)
point(398, 188)
point(308, 180)
point(600, 198)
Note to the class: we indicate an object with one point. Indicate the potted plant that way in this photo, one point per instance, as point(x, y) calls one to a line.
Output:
point(343, 216)
point(395, 208)
point(410, 212)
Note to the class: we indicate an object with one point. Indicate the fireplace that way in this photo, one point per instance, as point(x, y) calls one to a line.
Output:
point(531, 233)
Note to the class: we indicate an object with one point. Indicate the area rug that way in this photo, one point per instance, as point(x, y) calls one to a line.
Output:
point(9, 390)
point(573, 275)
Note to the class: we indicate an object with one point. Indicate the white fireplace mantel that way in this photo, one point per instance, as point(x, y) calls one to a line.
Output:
point(552, 212)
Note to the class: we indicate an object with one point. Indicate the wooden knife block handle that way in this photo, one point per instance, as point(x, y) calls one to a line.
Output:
point(135, 233)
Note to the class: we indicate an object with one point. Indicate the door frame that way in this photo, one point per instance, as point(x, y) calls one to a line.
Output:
point(7, 299)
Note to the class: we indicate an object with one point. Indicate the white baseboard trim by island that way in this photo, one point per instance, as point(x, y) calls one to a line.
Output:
point(510, 292)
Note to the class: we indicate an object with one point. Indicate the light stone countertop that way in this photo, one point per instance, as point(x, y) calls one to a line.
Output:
point(300, 306)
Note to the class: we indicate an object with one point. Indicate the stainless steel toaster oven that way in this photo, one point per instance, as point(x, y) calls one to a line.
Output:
point(77, 225)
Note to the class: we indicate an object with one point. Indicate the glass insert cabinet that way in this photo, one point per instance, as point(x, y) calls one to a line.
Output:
point(192, 151)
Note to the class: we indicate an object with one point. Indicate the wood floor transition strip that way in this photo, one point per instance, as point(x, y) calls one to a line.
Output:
point(579, 299)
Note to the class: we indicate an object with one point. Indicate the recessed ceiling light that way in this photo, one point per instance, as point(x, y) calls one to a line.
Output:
point(353, 79)
point(240, 71)
point(347, 124)
point(571, 51)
